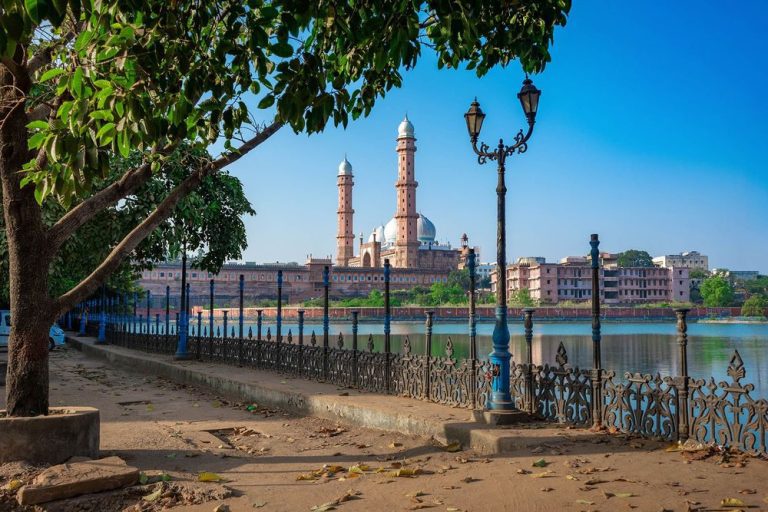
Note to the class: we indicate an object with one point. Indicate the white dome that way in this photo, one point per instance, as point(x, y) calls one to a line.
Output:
point(406, 128)
point(345, 168)
point(377, 235)
point(426, 230)
point(390, 231)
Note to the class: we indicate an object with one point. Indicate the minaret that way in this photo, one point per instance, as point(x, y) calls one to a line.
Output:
point(407, 243)
point(345, 238)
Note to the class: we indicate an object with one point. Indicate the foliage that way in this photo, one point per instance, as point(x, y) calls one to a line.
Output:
point(754, 306)
point(698, 273)
point(756, 286)
point(144, 74)
point(634, 258)
point(522, 298)
point(716, 291)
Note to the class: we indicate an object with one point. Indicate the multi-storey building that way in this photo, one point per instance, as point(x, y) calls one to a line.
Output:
point(690, 259)
point(571, 280)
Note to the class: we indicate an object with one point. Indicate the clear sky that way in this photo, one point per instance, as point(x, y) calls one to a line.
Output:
point(651, 132)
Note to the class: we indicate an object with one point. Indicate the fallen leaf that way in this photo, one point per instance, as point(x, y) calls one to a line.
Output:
point(404, 472)
point(624, 495)
point(395, 445)
point(207, 476)
point(143, 478)
point(523, 472)
point(468, 480)
point(545, 474)
point(748, 491)
point(453, 447)
point(571, 477)
point(546, 489)
point(415, 494)
point(155, 495)
point(452, 509)
point(731, 502)
point(259, 504)
point(541, 463)
point(14, 484)
point(584, 502)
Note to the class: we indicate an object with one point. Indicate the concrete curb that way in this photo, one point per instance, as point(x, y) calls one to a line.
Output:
point(398, 414)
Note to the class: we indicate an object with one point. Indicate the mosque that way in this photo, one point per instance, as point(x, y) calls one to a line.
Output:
point(409, 239)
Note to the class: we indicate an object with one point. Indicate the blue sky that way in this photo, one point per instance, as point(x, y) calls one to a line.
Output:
point(651, 132)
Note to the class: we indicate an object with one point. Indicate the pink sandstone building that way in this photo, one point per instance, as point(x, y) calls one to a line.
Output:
point(408, 240)
point(571, 280)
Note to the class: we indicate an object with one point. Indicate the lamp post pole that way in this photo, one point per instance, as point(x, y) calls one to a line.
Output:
point(500, 398)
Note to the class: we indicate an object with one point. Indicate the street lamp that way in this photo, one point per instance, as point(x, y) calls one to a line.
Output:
point(500, 398)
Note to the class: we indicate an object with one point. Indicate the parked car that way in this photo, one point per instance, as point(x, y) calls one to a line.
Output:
point(55, 335)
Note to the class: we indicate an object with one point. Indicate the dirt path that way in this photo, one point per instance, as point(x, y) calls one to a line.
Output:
point(273, 461)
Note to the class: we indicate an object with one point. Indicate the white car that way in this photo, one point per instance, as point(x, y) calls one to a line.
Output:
point(55, 335)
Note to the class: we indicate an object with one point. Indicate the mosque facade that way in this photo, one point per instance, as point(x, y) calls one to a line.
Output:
point(409, 239)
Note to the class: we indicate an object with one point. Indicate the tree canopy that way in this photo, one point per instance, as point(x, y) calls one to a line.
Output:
point(716, 291)
point(85, 83)
point(634, 258)
point(754, 306)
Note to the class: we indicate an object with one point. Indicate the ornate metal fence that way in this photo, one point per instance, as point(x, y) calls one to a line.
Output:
point(672, 408)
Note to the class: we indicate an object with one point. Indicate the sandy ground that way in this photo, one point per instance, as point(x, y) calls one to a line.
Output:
point(272, 461)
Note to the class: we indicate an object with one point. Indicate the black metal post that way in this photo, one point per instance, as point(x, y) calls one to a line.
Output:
point(529, 391)
point(167, 310)
point(472, 264)
point(240, 322)
point(300, 369)
point(387, 320)
point(597, 365)
point(683, 429)
point(355, 319)
point(326, 319)
point(259, 312)
point(199, 334)
point(149, 303)
point(279, 327)
point(428, 353)
point(210, 316)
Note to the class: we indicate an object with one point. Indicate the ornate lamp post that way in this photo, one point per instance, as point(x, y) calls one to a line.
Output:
point(500, 398)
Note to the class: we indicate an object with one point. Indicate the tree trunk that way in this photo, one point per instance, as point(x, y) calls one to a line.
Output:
point(31, 308)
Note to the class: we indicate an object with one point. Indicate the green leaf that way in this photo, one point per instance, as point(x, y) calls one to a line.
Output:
point(35, 10)
point(51, 73)
point(35, 140)
point(37, 125)
point(77, 83)
point(267, 101)
point(282, 49)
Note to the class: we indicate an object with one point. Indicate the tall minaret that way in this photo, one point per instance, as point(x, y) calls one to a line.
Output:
point(407, 243)
point(345, 238)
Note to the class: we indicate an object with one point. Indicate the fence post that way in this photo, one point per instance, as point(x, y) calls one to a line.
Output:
point(149, 304)
point(682, 340)
point(279, 326)
point(210, 317)
point(240, 322)
point(428, 353)
point(102, 337)
point(326, 320)
point(199, 334)
point(259, 312)
point(597, 365)
point(83, 309)
point(355, 320)
point(167, 310)
point(300, 369)
point(471, 263)
point(387, 318)
point(529, 391)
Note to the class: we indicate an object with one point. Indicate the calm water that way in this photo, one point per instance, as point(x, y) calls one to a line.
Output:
point(643, 347)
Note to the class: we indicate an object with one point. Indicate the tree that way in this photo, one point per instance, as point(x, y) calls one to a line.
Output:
point(716, 291)
point(634, 258)
point(523, 298)
point(82, 82)
point(698, 273)
point(754, 306)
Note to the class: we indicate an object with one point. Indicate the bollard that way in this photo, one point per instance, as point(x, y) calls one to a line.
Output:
point(210, 316)
point(167, 311)
point(259, 312)
point(597, 371)
point(199, 334)
point(149, 304)
point(683, 383)
point(529, 399)
point(300, 369)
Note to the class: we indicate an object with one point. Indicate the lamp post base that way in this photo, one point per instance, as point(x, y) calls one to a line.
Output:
point(182, 356)
point(513, 417)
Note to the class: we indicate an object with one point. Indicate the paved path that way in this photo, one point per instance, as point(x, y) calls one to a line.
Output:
point(163, 426)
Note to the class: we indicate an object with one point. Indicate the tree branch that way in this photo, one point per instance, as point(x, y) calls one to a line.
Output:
point(164, 210)
point(85, 211)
